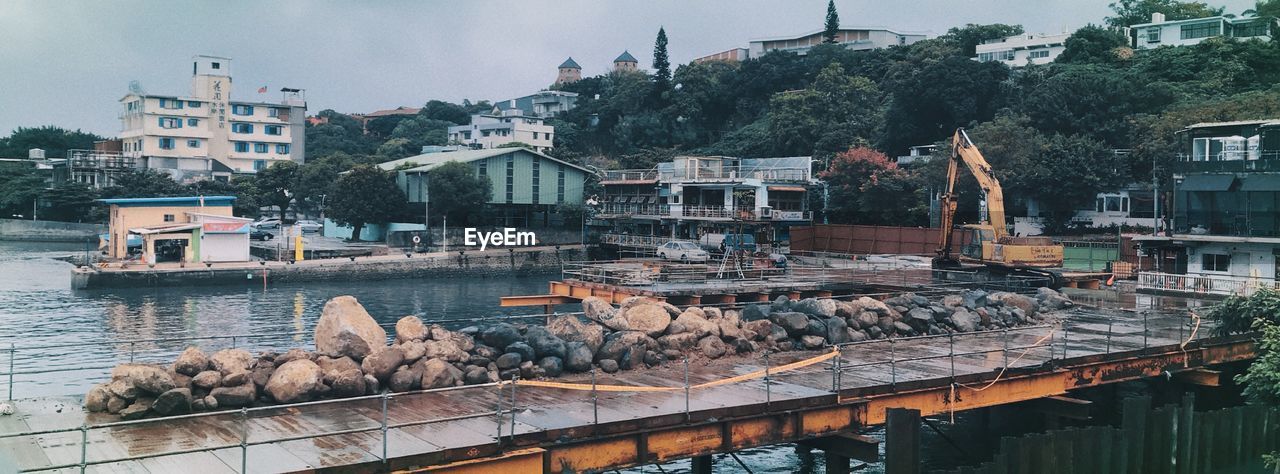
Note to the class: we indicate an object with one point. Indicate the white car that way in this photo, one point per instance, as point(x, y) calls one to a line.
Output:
point(683, 251)
point(309, 226)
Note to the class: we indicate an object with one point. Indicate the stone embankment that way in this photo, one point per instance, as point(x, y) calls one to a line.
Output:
point(352, 356)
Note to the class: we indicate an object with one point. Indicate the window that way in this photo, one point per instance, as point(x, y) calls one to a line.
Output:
point(1201, 30)
point(272, 129)
point(282, 149)
point(168, 217)
point(537, 178)
point(1042, 53)
point(170, 104)
point(241, 127)
point(484, 168)
point(484, 133)
point(273, 112)
point(560, 185)
point(193, 122)
point(259, 165)
point(1153, 35)
point(193, 143)
point(511, 179)
point(1250, 29)
point(242, 109)
point(216, 65)
point(259, 147)
point(166, 143)
point(170, 122)
point(1212, 262)
point(242, 147)
point(193, 104)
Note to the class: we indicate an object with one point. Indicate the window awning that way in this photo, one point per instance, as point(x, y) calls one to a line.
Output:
point(798, 189)
point(1207, 182)
point(1266, 182)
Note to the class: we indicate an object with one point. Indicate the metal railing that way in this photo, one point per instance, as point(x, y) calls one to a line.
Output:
point(1054, 343)
point(656, 210)
point(624, 240)
point(1202, 284)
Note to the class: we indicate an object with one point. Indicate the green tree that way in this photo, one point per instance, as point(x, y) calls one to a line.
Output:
point(144, 183)
point(929, 101)
point(1133, 12)
point(53, 140)
point(1093, 44)
point(661, 64)
point(1093, 100)
point(867, 188)
point(969, 36)
point(831, 27)
point(1258, 312)
point(1070, 172)
point(457, 191)
point(276, 185)
point(20, 189)
point(70, 202)
point(440, 110)
point(242, 187)
point(365, 195)
point(421, 131)
point(837, 111)
point(1264, 9)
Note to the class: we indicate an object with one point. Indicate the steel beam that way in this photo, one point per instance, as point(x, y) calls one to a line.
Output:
point(1201, 377)
point(536, 300)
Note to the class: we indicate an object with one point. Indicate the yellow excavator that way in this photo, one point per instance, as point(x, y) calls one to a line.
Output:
point(991, 252)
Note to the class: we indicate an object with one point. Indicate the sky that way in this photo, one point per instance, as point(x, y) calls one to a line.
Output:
point(68, 62)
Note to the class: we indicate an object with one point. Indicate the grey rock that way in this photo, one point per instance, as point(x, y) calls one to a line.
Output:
point(526, 353)
point(96, 399)
point(137, 409)
point(554, 366)
point(173, 402)
point(234, 397)
point(190, 362)
point(812, 342)
point(609, 366)
point(712, 347)
point(382, 362)
point(578, 357)
point(440, 374)
point(544, 343)
point(500, 335)
point(792, 322)
point(570, 329)
point(509, 360)
point(411, 328)
point(345, 328)
point(837, 330)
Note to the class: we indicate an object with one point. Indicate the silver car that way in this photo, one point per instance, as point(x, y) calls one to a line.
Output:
point(683, 251)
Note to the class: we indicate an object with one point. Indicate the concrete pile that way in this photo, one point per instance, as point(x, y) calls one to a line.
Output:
point(353, 357)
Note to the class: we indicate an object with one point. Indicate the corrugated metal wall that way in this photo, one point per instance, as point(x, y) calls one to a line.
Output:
point(870, 239)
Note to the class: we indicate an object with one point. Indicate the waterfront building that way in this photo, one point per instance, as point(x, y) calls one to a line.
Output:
point(855, 38)
point(1020, 50)
point(206, 134)
point(187, 229)
point(568, 72)
point(510, 126)
point(695, 196)
point(1161, 32)
point(1226, 204)
point(545, 104)
point(527, 185)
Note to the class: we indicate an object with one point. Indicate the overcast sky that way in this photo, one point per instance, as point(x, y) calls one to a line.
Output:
point(68, 62)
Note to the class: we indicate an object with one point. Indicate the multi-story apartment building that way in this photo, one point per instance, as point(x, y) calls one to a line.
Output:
point(206, 134)
point(1020, 50)
point(547, 103)
point(693, 196)
point(1160, 32)
point(493, 130)
point(858, 38)
point(1226, 206)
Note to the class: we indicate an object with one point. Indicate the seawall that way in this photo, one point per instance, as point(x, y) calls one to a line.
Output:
point(491, 263)
point(49, 231)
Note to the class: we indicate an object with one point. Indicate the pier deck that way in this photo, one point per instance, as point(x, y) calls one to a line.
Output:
point(555, 429)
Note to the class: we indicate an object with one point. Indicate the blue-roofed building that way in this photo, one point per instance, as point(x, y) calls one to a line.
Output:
point(569, 72)
point(625, 62)
point(181, 229)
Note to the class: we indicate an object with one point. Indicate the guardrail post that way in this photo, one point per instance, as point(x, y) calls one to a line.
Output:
point(951, 341)
point(768, 395)
point(1108, 335)
point(13, 354)
point(686, 389)
point(84, 447)
point(514, 380)
point(233, 342)
point(131, 352)
point(835, 370)
point(595, 407)
point(1065, 337)
point(244, 440)
point(1145, 331)
point(893, 365)
point(1006, 348)
point(499, 416)
point(385, 396)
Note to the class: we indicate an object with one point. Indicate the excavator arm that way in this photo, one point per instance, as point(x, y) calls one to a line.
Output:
point(963, 150)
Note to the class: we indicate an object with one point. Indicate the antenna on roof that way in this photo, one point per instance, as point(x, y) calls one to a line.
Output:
point(136, 87)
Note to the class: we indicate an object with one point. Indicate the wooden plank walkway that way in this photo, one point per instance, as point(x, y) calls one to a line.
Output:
point(329, 434)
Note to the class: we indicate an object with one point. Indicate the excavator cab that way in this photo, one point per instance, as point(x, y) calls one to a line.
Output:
point(979, 235)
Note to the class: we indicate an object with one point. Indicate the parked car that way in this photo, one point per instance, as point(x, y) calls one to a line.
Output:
point(309, 226)
point(683, 251)
point(266, 224)
point(259, 234)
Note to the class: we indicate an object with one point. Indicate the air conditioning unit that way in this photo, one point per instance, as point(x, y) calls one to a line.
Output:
point(766, 212)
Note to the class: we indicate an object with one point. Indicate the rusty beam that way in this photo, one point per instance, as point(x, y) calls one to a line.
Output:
point(536, 300)
point(521, 461)
point(848, 445)
point(1201, 377)
point(1066, 407)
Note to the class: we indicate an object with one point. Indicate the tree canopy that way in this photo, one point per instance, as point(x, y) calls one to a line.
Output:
point(831, 27)
point(455, 190)
point(365, 195)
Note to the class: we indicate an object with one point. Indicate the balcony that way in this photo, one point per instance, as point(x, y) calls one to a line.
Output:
point(634, 210)
point(1229, 162)
point(738, 173)
point(629, 175)
point(1198, 285)
point(1259, 223)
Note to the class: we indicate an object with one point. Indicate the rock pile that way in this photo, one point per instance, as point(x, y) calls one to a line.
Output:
point(353, 358)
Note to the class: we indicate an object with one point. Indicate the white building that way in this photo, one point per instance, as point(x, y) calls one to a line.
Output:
point(1188, 32)
point(1019, 50)
point(205, 134)
point(857, 38)
point(546, 103)
point(493, 130)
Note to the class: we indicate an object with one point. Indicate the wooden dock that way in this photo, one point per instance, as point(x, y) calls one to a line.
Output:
point(475, 429)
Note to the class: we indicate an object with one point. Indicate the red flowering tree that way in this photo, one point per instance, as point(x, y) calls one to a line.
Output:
point(866, 187)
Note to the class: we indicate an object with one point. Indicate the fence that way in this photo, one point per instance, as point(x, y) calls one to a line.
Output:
point(871, 239)
point(1089, 256)
point(1171, 439)
point(1156, 282)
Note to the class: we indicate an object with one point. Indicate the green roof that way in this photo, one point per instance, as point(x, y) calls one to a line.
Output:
point(425, 162)
point(626, 57)
point(570, 63)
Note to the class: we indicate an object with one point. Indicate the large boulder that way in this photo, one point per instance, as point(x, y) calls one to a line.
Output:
point(578, 357)
point(964, 321)
point(759, 329)
point(190, 362)
point(403, 379)
point(346, 329)
point(1027, 304)
point(330, 367)
point(97, 398)
point(824, 308)
point(437, 373)
point(207, 380)
point(137, 409)
point(554, 366)
point(792, 322)
point(234, 397)
point(875, 306)
point(599, 310)
point(650, 319)
point(526, 352)
point(755, 312)
point(295, 381)
point(544, 343)
point(346, 383)
point(680, 342)
point(690, 321)
point(619, 345)
point(500, 335)
point(712, 347)
point(464, 341)
point(867, 319)
point(382, 362)
point(413, 350)
point(1051, 300)
point(919, 318)
point(227, 361)
point(173, 402)
point(812, 342)
point(123, 389)
point(447, 350)
point(410, 328)
point(147, 378)
point(973, 299)
point(570, 329)
point(837, 330)
point(291, 354)
point(509, 360)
